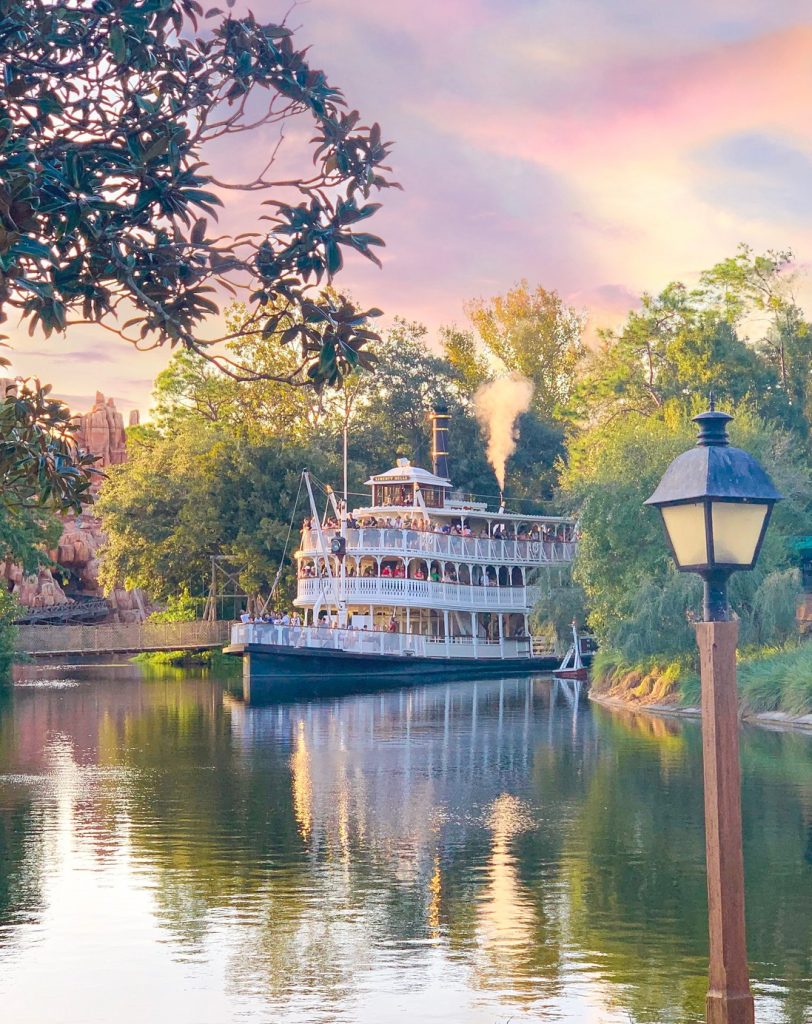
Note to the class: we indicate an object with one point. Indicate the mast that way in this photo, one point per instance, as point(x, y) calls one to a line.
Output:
point(323, 544)
point(345, 464)
point(340, 509)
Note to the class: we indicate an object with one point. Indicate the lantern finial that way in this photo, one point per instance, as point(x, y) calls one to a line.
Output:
point(712, 427)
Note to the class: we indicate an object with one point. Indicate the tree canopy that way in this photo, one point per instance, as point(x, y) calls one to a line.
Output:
point(109, 111)
point(41, 468)
point(739, 334)
point(535, 333)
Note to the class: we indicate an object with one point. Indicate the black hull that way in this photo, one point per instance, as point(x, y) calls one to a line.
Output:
point(273, 663)
point(273, 672)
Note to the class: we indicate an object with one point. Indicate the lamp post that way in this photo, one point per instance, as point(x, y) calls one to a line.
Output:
point(716, 502)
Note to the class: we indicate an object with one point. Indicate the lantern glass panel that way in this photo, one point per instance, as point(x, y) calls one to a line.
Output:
point(737, 527)
point(685, 525)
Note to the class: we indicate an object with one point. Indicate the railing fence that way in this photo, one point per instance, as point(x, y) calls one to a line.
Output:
point(122, 637)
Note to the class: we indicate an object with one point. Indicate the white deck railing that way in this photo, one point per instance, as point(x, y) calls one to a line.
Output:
point(358, 641)
point(418, 593)
point(414, 544)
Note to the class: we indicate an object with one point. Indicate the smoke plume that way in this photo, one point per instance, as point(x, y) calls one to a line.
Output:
point(498, 405)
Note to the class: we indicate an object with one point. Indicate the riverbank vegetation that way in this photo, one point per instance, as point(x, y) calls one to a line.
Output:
point(740, 334)
point(213, 660)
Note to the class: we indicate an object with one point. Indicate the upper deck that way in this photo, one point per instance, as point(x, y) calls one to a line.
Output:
point(548, 546)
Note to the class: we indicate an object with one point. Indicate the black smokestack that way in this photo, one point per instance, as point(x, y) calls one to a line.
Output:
point(439, 441)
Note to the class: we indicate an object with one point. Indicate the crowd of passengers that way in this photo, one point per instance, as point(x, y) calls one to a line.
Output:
point(420, 524)
point(272, 618)
point(397, 572)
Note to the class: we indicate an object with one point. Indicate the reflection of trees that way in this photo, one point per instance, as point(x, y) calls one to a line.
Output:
point(20, 856)
point(635, 869)
point(20, 865)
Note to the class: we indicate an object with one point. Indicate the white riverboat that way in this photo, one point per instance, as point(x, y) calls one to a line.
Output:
point(418, 581)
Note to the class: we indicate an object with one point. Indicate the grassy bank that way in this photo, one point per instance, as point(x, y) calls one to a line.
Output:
point(770, 679)
point(180, 659)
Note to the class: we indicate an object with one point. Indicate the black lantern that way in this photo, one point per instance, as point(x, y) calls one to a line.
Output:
point(716, 502)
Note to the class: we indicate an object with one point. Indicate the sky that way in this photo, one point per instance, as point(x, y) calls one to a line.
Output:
point(598, 147)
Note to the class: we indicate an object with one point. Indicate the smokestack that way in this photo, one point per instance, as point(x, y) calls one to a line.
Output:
point(439, 441)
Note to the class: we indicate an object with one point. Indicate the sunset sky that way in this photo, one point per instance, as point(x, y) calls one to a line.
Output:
point(598, 147)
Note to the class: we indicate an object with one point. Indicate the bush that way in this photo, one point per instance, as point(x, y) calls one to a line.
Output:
point(9, 610)
point(179, 608)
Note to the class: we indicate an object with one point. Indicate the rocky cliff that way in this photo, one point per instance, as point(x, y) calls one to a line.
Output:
point(102, 432)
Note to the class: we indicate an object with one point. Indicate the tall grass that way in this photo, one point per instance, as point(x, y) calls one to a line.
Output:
point(649, 680)
point(769, 679)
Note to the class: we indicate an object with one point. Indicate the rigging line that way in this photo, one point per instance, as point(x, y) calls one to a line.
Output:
point(275, 583)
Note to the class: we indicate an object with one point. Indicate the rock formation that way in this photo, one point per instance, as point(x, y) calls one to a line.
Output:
point(100, 431)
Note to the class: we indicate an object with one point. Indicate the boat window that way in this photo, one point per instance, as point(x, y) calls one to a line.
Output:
point(393, 494)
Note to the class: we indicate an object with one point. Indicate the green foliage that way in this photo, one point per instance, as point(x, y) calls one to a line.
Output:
point(772, 615)
point(41, 470)
point(105, 121)
point(533, 333)
point(157, 658)
point(637, 602)
point(461, 350)
point(9, 611)
point(40, 465)
point(562, 601)
point(180, 607)
point(194, 493)
point(672, 352)
point(770, 679)
point(647, 679)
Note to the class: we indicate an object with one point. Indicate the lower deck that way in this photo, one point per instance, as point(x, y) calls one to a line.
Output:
point(363, 641)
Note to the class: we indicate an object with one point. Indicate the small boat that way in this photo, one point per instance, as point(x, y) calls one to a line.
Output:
point(572, 667)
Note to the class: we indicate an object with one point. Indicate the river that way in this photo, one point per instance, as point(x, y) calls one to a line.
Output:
point(472, 853)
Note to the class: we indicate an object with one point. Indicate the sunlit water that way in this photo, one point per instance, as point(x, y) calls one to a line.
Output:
point(470, 853)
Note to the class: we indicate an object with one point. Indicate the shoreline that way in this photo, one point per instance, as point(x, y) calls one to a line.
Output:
point(778, 721)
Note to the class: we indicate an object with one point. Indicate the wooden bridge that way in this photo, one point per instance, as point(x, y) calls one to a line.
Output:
point(121, 638)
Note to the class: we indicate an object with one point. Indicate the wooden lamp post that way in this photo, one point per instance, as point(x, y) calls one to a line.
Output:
point(716, 502)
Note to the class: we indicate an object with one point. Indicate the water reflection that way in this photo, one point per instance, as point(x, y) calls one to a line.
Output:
point(470, 852)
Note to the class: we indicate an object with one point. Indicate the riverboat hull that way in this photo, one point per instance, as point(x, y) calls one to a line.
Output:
point(276, 661)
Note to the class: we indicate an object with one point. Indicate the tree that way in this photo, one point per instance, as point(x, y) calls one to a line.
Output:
point(462, 351)
point(41, 471)
point(196, 492)
point(105, 196)
point(674, 349)
point(191, 386)
point(393, 412)
point(749, 282)
point(536, 334)
point(637, 601)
